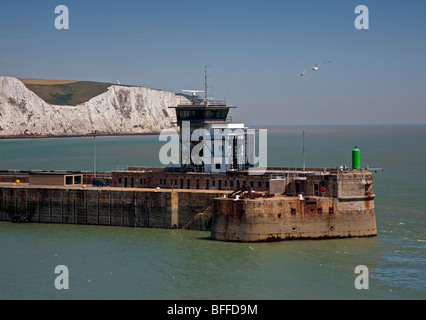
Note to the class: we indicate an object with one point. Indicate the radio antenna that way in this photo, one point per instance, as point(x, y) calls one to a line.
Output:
point(303, 149)
point(205, 83)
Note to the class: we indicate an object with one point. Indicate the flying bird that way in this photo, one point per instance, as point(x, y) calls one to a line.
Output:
point(315, 67)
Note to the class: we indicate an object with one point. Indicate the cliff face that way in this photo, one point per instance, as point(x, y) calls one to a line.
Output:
point(121, 109)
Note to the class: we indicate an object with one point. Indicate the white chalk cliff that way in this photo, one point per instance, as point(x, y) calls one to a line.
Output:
point(121, 109)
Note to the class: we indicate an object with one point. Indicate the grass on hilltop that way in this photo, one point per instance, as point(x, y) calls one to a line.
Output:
point(65, 92)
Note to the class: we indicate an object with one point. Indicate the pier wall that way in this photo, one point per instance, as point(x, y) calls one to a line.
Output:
point(281, 218)
point(105, 206)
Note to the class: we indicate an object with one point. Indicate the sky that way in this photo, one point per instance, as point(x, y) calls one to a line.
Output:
point(256, 49)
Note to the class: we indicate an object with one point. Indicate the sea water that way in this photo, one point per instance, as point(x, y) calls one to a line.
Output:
point(137, 263)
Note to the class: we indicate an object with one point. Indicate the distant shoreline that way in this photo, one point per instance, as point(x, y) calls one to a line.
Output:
point(271, 128)
point(78, 136)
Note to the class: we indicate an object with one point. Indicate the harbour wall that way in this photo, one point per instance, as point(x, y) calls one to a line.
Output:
point(344, 208)
point(109, 206)
point(285, 218)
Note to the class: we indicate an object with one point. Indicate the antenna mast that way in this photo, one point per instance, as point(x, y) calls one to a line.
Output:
point(205, 83)
point(303, 149)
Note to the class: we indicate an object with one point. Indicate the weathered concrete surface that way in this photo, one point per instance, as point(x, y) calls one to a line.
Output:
point(105, 206)
point(282, 218)
point(344, 209)
point(202, 221)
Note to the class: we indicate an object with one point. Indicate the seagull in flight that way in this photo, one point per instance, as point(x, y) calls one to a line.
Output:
point(315, 67)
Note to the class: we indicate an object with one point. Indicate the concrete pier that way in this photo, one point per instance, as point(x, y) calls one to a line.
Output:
point(284, 218)
point(147, 208)
point(336, 205)
point(313, 205)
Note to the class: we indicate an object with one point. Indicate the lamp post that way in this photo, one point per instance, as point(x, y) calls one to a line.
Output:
point(94, 154)
point(173, 174)
point(303, 149)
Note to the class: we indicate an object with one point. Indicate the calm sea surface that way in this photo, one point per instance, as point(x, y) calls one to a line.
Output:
point(127, 263)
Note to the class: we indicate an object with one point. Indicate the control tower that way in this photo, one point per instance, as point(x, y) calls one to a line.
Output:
point(206, 130)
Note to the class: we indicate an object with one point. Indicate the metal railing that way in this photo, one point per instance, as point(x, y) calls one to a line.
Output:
point(202, 102)
point(120, 167)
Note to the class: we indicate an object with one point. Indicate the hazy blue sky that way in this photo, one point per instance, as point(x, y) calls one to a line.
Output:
point(257, 50)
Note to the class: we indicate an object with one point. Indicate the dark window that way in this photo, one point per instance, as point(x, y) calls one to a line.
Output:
point(213, 183)
point(231, 183)
point(198, 183)
point(217, 166)
point(297, 187)
point(368, 188)
point(207, 184)
point(316, 189)
point(68, 180)
point(119, 180)
point(220, 184)
point(188, 184)
point(251, 184)
point(259, 184)
point(201, 114)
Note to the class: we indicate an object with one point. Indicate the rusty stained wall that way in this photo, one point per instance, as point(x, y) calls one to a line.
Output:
point(337, 185)
point(290, 218)
point(140, 208)
point(355, 185)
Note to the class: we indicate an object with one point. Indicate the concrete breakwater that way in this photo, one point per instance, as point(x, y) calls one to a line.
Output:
point(284, 218)
point(333, 205)
point(314, 206)
point(109, 206)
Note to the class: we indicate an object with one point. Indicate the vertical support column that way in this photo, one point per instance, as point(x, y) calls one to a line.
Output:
point(26, 203)
point(85, 203)
point(98, 207)
point(50, 206)
point(73, 207)
point(2, 213)
point(175, 209)
point(134, 208)
point(62, 206)
point(148, 209)
point(39, 206)
point(110, 207)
